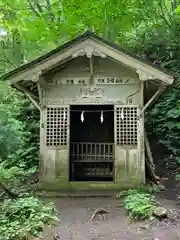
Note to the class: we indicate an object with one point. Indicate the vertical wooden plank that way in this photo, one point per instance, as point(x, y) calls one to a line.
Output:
point(82, 154)
point(52, 126)
point(115, 125)
point(42, 141)
point(108, 153)
point(122, 147)
point(42, 129)
point(95, 152)
point(77, 151)
point(104, 151)
point(85, 151)
point(120, 156)
point(91, 152)
point(142, 93)
point(115, 144)
point(141, 149)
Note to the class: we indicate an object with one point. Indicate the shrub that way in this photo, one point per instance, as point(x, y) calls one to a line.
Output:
point(25, 216)
point(139, 205)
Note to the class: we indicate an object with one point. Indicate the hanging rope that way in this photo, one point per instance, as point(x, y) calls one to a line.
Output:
point(92, 111)
point(101, 118)
point(64, 115)
point(82, 116)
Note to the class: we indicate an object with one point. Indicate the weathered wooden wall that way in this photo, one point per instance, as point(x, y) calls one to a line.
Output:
point(61, 92)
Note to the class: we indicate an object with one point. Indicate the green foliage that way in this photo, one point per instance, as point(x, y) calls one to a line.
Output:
point(125, 193)
point(138, 204)
point(28, 154)
point(177, 177)
point(10, 174)
point(151, 188)
point(22, 216)
point(36, 27)
point(19, 129)
point(14, 175)
point(11, 129)
point(164, 120)
point(157, 41)
point(154, 188)
point(25, 216)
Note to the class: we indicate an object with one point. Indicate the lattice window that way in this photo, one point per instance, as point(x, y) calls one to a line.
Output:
point(126, 125)
point(56, 130)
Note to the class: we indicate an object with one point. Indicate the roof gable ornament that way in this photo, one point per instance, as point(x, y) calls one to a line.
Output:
point(88, 51)
point(94, 45)
point(34, 77)
point(144, 76)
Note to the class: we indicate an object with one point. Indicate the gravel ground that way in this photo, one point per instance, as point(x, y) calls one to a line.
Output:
point(75, 214)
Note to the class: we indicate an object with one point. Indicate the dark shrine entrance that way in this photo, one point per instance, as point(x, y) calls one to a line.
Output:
point(91, 142)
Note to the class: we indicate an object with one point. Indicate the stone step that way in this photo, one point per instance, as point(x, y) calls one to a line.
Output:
point(77, 194)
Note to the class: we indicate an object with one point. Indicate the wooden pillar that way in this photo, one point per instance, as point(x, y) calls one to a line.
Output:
point(54, 144)
point(42, 163)
point(120, 173)
point(141, 148)
point(127, 161)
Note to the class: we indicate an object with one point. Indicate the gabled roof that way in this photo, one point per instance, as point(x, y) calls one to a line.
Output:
point(112, 50)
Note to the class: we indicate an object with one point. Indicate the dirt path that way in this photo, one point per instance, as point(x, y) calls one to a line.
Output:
point(75, 215)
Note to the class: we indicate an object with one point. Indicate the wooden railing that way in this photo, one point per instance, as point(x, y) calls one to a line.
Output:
point(91, 152)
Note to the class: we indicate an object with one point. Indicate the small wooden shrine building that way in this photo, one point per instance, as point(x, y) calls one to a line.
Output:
point(92, 96)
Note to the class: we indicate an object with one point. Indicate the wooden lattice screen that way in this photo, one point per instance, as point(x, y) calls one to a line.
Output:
point(126, 126)
point(56, 126)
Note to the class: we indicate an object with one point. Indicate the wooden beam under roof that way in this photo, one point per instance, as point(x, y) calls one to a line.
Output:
point(34, 99)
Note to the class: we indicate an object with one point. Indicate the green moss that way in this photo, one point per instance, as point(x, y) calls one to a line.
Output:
point(64, 186)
